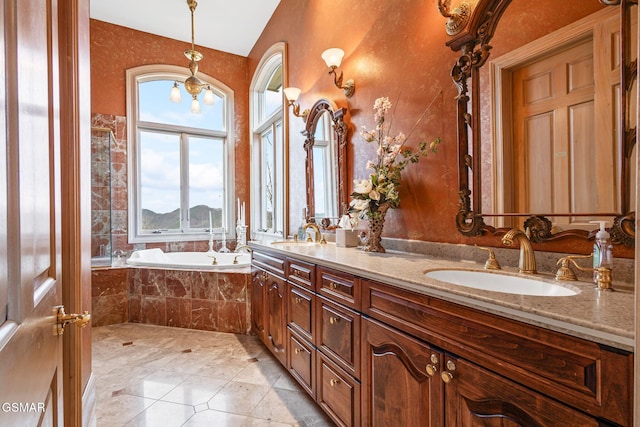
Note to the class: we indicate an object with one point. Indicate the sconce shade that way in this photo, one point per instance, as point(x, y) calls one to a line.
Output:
point(292, 93)
point(175, 93)
point(333, 57)
point(208, 96)
point(195, 105)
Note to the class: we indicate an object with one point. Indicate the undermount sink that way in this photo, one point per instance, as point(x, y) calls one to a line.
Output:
point(497, 282)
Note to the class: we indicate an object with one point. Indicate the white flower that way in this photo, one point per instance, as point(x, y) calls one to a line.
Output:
point(362, 186)
point(374, 195)
point(370, 165)
point(359, 204)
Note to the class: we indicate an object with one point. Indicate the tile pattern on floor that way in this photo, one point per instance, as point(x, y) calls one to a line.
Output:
point(160, 376)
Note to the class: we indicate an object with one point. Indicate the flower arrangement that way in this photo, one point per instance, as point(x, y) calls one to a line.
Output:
point(372, 197)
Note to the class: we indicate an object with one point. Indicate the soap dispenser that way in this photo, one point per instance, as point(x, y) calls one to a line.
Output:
point(602, 248)
point(301, 231)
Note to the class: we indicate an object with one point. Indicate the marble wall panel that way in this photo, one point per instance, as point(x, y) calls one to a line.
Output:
point(204, 315)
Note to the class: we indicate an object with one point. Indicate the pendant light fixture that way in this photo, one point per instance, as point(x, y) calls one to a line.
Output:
point(193, 84)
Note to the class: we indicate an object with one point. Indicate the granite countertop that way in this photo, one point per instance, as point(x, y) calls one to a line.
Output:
point(603, 317)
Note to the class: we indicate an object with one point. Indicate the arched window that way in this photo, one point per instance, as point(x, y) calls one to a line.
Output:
point(181, 171)
point(268, 145)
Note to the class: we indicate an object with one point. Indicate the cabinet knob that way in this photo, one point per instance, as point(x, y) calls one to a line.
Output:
point(297, 351)
point(447, 377)
point(431, 369)
point(298, 300)
point(333, 285)
point(334, 382)
point(334, 320)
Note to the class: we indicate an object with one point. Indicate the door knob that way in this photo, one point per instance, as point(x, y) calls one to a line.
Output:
point(62, 319)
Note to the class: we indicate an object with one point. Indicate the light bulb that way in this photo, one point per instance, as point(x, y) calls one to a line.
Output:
point(208, 96)
point(195, 106)
point(175, 93)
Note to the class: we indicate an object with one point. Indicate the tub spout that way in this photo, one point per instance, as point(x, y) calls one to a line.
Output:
point(527, 262)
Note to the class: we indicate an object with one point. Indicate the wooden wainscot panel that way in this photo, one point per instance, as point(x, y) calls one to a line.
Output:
point(575, 371)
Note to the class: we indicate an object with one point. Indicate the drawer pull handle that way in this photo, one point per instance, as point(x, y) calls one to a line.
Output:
point(297, 272)
point(333, 285)
point(334, 382)
point(297, 351)
point(298, 300)
point(334, 320)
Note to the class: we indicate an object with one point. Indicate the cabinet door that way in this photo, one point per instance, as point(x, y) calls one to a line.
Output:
point(258, 303)
point(401, 384)
point(477, 397)
point(276, 316)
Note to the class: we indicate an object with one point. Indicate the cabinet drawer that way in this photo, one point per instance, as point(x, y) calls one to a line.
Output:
point(302, 361)
point(338, 393)
point(590, 377)
point(338, 334)
point(269, 262)
point(300, 311)
point(301, 273)
point(340, 287)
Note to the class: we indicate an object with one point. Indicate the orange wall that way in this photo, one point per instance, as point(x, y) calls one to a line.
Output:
point(394, 49)
point(114, 49)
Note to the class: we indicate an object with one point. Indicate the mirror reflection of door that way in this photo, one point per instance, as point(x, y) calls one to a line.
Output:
point(324, 170)
point(560, 120)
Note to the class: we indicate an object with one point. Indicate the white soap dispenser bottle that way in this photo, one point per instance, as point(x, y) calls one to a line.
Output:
point(602, 248)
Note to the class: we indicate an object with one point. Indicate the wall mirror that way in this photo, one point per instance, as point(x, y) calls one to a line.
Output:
point(326, 147)
point(546, 135)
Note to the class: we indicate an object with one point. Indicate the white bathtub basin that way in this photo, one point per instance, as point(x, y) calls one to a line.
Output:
point(497, 282)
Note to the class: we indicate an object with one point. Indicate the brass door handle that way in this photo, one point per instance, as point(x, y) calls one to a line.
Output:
point(63, 319)
point(298, 300)
point(447, 376)
point(297, 351)
point(333, 382)
point(333, 285)
point(432, 367)
point(334, 320)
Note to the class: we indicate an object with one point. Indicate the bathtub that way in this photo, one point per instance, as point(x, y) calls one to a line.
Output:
point(156, 258)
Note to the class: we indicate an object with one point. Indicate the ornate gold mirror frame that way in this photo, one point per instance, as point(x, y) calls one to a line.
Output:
point(473, 42)
point(340, 130)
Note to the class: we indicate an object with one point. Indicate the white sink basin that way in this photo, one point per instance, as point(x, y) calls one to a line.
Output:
point(498, 282)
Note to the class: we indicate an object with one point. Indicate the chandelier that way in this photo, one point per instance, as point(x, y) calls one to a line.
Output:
point(193, 84)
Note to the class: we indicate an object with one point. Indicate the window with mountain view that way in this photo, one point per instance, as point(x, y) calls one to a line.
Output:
point(181, 179)
point(268, 162)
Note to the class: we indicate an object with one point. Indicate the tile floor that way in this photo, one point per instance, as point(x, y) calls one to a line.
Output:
point(159, 376)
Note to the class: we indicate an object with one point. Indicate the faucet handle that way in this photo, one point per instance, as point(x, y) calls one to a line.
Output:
point(565, 272)
point(492, 263)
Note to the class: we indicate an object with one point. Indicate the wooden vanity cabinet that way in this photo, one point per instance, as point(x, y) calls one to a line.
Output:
point(401, 383)
point(497, 369)
point(269, 290)
point(376, 354)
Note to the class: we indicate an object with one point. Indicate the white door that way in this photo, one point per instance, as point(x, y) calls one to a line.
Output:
point(31, 354)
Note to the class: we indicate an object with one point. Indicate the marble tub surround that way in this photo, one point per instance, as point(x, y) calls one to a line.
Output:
point(206, 300)
point(603, 317)
point(158, 376)
point(211, 301)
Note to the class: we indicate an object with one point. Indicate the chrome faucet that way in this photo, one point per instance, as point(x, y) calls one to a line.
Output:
point(319, 236)
point(527, 262)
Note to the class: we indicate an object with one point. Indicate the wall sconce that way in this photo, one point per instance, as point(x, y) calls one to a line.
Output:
point(292, 94)
point(333, 58)
point(457, 18)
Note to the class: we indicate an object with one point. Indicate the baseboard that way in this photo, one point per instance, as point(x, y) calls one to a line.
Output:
point(89, 403)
